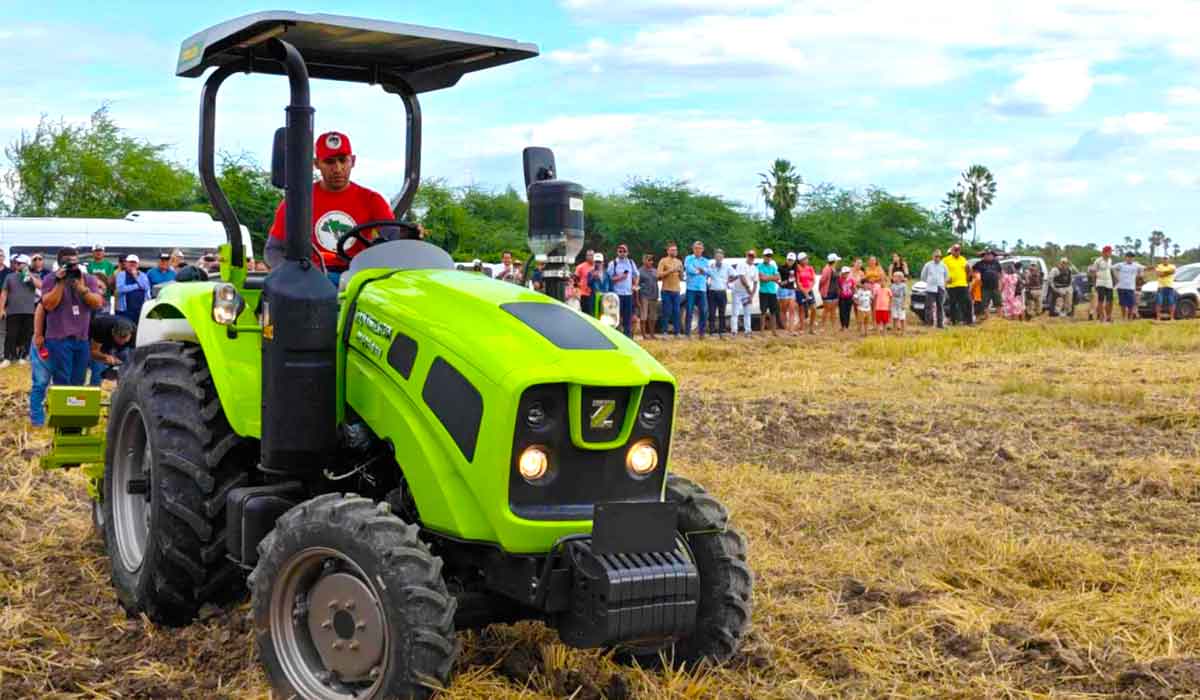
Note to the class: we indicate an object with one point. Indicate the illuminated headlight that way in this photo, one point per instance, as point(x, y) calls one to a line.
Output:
point(227, 304)
point(642, 458)
point(534, 463)
point(610, 309)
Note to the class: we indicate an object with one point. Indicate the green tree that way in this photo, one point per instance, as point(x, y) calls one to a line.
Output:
point(92, 170)
point(780, 189)
point(979, 191)
point(250, 192)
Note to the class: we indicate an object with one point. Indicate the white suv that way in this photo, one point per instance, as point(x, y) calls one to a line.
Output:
point(1187, 292)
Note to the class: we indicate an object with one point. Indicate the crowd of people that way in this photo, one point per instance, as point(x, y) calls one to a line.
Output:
point(74, 321)
point(675, 296)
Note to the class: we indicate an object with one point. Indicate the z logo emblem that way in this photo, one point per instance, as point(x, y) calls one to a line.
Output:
point(602, 411)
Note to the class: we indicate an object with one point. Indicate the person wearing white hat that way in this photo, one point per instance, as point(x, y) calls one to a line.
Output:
point(827, 287)
point(133, 289)
point(599, 283)
point(789, 317)
point(806, 281)
point(768, 289)
point(846, 286)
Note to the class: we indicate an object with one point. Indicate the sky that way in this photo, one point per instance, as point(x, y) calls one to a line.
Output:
point(1088, 113)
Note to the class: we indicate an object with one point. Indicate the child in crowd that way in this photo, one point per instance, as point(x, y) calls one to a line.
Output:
point(863, 299)
point(899, 294)
point(845, 286)
point(882, 295)
point(977, 295)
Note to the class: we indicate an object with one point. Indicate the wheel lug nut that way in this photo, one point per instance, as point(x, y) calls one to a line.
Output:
point(338, 645)
point(361, 626)
point(349, 605)
point(333, 604)
point(374, 673)
point(328, 624)
point(353, 646)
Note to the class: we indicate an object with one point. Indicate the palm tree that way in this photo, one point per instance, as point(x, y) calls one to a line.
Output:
point(1156, 237)
point(1137, 246)
point(954, 208)
point(979, 192)
point(780, 189)
point(1175, 250)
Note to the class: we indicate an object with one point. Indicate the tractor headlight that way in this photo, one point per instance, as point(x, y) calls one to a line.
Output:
point(642, 458)
point(610, 309)
point(534, 463)
point(227, 304)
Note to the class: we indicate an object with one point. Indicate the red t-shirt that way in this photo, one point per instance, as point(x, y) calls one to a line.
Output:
point(334, 213)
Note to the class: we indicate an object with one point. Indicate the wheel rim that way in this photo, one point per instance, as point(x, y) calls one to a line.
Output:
point(131, 511)
point(328, 627)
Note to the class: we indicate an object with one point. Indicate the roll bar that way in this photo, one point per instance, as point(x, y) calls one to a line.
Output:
point(299, 122)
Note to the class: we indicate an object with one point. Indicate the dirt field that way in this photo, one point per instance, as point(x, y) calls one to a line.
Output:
point(1011, 511)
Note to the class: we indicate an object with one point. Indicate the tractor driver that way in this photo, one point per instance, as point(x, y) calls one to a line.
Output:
point(338, 205)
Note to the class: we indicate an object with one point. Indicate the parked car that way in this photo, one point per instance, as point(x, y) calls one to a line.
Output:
point(1187, 289)
point(918, 289)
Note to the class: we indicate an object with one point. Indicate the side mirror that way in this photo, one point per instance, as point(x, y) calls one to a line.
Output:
point(279, 158)
point(539, 165)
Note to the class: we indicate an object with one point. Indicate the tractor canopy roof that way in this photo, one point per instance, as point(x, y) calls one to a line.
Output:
point(350, 49)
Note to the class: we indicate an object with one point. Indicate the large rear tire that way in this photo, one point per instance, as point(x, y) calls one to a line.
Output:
point(349, 603)
point(171, 460)
point(719, 553)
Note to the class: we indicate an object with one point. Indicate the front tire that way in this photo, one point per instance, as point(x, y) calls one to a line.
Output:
point(719, 552)
point(348, 602)
point(1186, 308)
point(170, 461)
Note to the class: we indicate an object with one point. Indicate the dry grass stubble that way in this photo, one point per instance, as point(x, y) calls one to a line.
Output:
point(1004, 512)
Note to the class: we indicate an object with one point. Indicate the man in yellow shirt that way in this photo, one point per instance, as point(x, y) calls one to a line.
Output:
point(1165, 298)
point(670, 273)
point(956, 286)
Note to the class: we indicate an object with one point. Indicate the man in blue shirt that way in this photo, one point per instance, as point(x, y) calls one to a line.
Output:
point(133, 289)
point(718, 283)
point(695, 267)
point(623, 275)
point(768, 301)
point(163, 273)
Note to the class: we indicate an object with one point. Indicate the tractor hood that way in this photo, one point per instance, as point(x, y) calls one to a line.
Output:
point(512, 335)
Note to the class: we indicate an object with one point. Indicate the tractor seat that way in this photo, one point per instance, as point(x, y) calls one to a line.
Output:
point(400, 255)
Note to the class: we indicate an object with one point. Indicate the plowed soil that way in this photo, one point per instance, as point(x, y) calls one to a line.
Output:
point(1012, 511)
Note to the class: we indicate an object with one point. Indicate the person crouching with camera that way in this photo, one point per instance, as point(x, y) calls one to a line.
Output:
point(69, 297)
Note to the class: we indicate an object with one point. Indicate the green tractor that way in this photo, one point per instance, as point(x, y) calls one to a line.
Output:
point(417, 451)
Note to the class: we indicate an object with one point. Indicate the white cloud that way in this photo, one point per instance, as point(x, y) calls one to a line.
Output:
point(1184, 96)
point(1184, 178)
point(1068, 186)
point(1139, 123)
point(1046, 86)
point(1134, 179)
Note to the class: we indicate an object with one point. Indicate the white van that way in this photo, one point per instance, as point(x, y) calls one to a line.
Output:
point(141, 233)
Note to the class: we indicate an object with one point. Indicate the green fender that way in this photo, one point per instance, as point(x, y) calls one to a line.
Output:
point(183, 311)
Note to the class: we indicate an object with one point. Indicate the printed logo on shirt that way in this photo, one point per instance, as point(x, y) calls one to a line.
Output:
point(331, 226)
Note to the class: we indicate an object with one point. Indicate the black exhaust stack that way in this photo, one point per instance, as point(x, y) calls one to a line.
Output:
point(299, 305)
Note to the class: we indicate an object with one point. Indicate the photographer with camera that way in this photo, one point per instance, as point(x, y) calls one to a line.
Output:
point(69, 296)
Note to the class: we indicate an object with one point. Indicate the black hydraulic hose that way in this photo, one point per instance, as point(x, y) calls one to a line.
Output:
point(298, 193)
point(208, 175)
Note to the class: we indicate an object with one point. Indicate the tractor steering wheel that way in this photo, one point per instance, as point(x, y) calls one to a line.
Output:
point(388, 232)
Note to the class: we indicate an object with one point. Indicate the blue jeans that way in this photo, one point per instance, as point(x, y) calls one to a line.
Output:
point(37, 392)
point(69, 358)
point(696, 297)
point(670, 311)
point(626, 301)
point(97, 368)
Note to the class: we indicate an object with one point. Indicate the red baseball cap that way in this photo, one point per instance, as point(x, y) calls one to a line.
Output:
point(333, 143)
